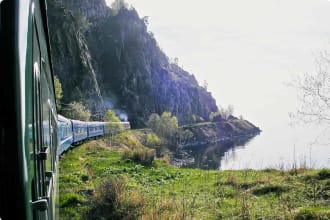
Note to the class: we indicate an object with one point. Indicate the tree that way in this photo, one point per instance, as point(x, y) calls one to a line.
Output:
point(114, 125)
point(314, 97)
point(165, 126)
point(58, 92)
point(215, 116)
point(314, 94)
point(117, 5)
point(110, 115)
point(168, 125)
point(205, 84)
point(183, 136)
point(176, 61)
point(226, 112)
point(76, 110)
point(222, 114)
point(153, 122)
point(152, 140)
point(145, 19)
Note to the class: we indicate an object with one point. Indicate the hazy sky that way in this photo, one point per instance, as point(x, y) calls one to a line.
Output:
point(245, 50)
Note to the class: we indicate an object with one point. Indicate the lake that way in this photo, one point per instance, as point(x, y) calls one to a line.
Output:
point(279, 147)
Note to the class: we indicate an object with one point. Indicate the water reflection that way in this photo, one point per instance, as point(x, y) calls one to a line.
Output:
point(208, 156)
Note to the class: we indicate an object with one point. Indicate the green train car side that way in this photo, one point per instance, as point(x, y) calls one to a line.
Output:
point(28, 118)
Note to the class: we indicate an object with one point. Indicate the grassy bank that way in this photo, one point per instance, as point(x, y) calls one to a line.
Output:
point(102, 182)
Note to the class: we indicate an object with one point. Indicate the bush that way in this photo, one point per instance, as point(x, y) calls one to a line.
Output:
point(152, 140)
point(84, 177)
point(142, 156)
point(266, 189)
point(112, 201)
point(128, 139)
point(324, 174)
point(327, 185)
point(305, 214)
point(70, 200)
point(312, 213)
point(78, 111)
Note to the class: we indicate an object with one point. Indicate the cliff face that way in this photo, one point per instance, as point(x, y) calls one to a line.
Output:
point(107, 59)
point(72, 62)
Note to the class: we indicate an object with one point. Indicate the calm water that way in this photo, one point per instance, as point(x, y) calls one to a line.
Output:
point(274, 148)
point(267, 105)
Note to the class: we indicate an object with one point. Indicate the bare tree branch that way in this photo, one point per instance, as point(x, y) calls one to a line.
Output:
point(314, 93)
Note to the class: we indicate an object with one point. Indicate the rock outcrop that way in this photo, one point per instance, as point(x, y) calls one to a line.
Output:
point(110, 60)
point(106, 58)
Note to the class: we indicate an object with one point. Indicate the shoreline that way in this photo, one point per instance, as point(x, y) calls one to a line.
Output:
point(221, 139)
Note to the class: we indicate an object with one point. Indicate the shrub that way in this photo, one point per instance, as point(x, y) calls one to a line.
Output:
point(266, 189)
point(142, 156)
point(231, 180)
point(324, 174)
point(270, 170)
point(152, 140)
point(84, 177)
point(70, 200)
point(306, 214)
point(112, 201)
point(128, 139)
point(327, 185)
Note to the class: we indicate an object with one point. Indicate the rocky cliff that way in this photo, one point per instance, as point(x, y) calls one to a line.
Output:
point(106, 58)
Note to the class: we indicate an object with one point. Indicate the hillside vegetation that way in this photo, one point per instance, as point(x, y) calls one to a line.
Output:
point(123, 181)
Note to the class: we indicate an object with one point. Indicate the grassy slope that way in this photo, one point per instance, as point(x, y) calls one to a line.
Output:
point(173, 193)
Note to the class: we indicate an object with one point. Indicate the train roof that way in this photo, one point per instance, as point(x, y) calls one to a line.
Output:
point(94, 122)
point(78, 121)
point(63, 119)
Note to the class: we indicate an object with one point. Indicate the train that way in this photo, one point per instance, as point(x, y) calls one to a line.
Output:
point(73, 132)
point(32, 134)
point(28, 116)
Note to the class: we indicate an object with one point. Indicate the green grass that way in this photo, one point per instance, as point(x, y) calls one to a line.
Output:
point(169, 192)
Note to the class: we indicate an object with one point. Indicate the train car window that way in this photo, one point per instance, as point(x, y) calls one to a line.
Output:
point(55, 140)
point(65, 131)
point(48, 133)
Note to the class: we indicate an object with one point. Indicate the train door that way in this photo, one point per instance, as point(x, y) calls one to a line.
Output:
point(43, 121)
point(47, 119)
point(38, 189)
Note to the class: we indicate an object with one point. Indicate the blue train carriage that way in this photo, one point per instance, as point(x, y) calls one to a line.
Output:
point(64, 134)
point(28, 117)
point(95, 129)
point(79, 131)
